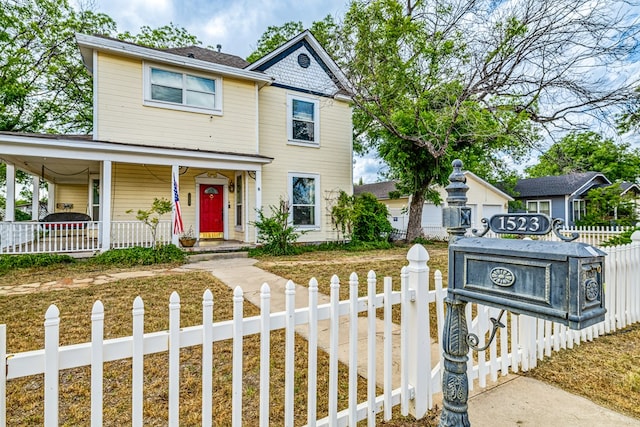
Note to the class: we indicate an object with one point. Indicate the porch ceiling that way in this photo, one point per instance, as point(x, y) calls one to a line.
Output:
point(56, 170)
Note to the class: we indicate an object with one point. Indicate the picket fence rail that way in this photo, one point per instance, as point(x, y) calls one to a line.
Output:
point(517, 347)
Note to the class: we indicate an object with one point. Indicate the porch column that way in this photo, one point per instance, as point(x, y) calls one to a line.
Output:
point(258, 199)
point(105, 205)
point(35, 199)
point(51, 197)
point(175, 173)
point(10, 206)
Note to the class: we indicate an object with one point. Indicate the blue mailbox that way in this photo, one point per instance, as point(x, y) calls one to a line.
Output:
point(558, 281)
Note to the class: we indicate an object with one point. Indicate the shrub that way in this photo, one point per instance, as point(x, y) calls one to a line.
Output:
point(140, 256)
point(276, 233)
point(623, 238)
point(9, 262)
point(151, 217)
point(370, 219)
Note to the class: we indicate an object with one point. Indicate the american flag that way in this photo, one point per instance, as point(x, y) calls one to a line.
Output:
point(178, 227)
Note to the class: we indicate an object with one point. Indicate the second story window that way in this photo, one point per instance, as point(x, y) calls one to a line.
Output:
point(302, 120)
point(172, 89)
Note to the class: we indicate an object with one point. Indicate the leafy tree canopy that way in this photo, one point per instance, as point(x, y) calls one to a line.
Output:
point(585, 152)
point(166, 36)
point(324, 31)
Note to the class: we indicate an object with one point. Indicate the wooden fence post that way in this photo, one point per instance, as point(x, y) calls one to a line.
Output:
point(418, 345)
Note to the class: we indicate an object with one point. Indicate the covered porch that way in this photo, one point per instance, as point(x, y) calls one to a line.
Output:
point(109, 182)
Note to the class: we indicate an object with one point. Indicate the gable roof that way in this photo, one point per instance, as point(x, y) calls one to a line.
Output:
point(560, 185)
point(382, 189)
point(211, 61)
point(629, 186)
point(208, 55)
point(379, 189)
point(307, 43)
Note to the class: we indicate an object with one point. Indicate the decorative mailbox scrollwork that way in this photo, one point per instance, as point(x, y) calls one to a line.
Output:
point(473, 340)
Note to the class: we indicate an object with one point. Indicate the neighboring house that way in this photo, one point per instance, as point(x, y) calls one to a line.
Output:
point(484, 199)
point(237, 137)
point(632, 189)
point(559, 196)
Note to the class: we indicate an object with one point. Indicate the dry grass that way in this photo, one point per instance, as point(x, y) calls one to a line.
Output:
point(24, 314)
point(605, 371)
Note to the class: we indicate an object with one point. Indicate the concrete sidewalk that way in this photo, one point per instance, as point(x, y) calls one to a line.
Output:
point(514, 401)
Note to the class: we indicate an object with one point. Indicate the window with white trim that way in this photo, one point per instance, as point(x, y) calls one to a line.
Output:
point(539, 206)
point(304, 196)
point(303, 122)
point(579, 209)
point(239, 201)
point(174, 89)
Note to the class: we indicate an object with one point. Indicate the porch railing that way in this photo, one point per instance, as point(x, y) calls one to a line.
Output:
point(129, 234)
point(32, 237)
point(28, 237)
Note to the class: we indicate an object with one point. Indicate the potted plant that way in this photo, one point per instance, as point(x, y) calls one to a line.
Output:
point(187, 239)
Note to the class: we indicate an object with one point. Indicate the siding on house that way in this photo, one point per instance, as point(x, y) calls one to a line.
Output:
point(331, 159)
point(76, 194)
point(122, 117)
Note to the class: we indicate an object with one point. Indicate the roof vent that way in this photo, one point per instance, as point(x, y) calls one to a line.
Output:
point(219, 47)
point(190, 55)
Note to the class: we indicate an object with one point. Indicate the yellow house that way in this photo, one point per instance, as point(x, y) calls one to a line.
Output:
point(232, 137)
point(484, 199)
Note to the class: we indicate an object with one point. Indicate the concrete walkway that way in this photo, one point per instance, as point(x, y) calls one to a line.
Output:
point(514, 401)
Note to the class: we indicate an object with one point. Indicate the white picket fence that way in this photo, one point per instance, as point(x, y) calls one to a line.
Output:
point(420, 377)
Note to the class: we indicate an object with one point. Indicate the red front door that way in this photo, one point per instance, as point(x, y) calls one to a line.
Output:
point(211, 211)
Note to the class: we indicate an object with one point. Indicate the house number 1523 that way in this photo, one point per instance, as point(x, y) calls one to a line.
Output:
point(520, 224)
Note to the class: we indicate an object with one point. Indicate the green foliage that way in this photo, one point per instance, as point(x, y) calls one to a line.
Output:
point(361, 218)
point(606, 206)
point(166, 36)
point(151, 217)
point(623, 238)
point(589, 151)
point(324, 31)
point(140, 256)
point(10, 262)
point(276, 232)
point(352, 246)
point(342, 214)
point(370, 219)
point(45, 87)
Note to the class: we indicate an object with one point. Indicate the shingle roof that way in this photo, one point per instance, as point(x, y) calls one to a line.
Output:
point(208, 55)
point(554, 185)
point(379, 189)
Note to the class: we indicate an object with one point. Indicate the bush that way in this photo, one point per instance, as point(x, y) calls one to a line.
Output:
point(370, 219)
point(9, 262)
point(140, 256)
point(623, 238)
point(276, 233)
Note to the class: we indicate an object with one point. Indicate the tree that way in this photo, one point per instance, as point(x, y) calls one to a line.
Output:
point(606, 206)
point(585, 152)
point(44, 86)
point(325, 31)
point(448, 76)
point(166, 36)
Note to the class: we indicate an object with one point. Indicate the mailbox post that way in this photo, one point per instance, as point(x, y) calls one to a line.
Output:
point(558, 281)
point(455, 383)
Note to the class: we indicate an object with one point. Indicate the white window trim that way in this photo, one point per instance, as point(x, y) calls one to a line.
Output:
point(537, 202)
point(316, 121)
point(240, 227)
point(316, 209)
point(147, 101)
point(573, 208)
